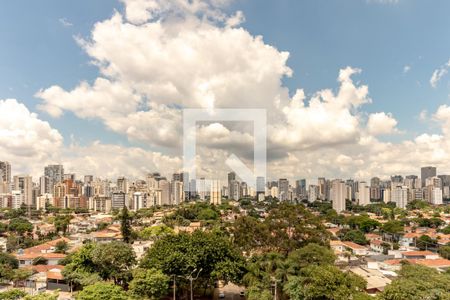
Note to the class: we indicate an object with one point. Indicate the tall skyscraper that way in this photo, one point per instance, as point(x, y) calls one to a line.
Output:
point(399, 195)
point(55, 174)
point(436, 196)
point(322, 183)
point(231, 179)
point(5, 171)
point(44, 185)
point(17, 199)
point(427, 172)
point(122, 185)
point(313, 193)
point(283, 189)
point(176, 192)
point(215, 193)
point(363, 193)
point(260, 184)
point(118, 200)
point(234, 190)
point(338, 193)
point(24, 184)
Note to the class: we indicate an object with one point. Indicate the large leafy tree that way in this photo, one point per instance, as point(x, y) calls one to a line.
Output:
point(114, 261)
point(156, 232)
point(293, 226)
point(210, 252)
point(417, 282)
point(62, 223)
point(102, 291)
point(444, 251)
point(149, 284)
point(311, 254)
point(20, 226)
point(286, 228)
point(425, 242)
point(355, 236)
point(125, 225)
point(61, 247)
point(12, 294)
point(325, 282)
point(269, 268)
point(249, 233)
point(8, 264)
point(79, 269)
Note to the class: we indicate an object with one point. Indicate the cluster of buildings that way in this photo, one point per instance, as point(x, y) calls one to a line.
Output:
point(378, 260)
point(64, 190)
point(430, 187)
point(59, 189)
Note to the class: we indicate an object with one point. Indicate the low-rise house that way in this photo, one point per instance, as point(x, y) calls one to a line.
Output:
point(141, 247)
point(440, 264)
point(373, 236)
point(337, 246)
point(355, 248)
point(420, 255)
point(340, 247)
point(46, 250)
point(193, 226)
point(106, 236)
point(376, 280)
point(376, 245)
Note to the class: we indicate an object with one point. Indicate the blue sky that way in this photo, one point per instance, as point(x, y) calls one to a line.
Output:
point(397, 44)
point(381, 39)
point(322, 36)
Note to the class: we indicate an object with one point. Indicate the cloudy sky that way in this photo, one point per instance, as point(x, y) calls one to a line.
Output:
point(353, 88)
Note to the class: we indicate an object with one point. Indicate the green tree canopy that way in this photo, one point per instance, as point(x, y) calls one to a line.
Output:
point(324, 282)
point(356, 236)
point(102, 291)
point(20, 226)
point(424, 242)
point(149, 284)
point(62, 223)
point(156, 232)
point(125, 225)
point(114, 261)
point(417, 282)
point(211, 252)
point(12, 294)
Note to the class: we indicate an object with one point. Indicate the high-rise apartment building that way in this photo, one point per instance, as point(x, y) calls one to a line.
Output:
point(434, 182)
point(231, 179)
point(215, 193)
point(118, 200)
point(17, 199)
point(176, 192)
point(300, 189)
point(5, 172)
point(234, 189)
point(55, 174)
point(436, 196)
point(313, 193)
point(283, 189)
point(399, 195)
point(363, 193)
point(338, 194)
point(427, 172)
point(322, 184)
point(24, 184)
point(122, 185)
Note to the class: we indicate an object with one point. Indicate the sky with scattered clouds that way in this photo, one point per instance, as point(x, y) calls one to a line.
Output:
point(352, 89)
